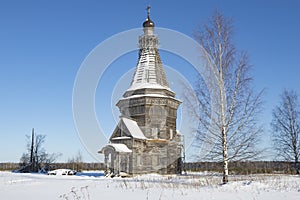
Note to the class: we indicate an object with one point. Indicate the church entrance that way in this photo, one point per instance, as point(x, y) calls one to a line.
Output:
point(116, 159)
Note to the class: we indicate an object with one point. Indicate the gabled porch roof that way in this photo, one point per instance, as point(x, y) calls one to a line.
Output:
point(120, 148)
point(128, 128)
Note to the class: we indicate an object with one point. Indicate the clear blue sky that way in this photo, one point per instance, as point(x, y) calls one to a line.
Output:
point(44, 42)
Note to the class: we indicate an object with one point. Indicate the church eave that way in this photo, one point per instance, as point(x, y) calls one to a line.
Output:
point(147, 99)
point(150, 89)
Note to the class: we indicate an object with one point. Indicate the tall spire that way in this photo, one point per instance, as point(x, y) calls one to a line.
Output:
point(149, 70)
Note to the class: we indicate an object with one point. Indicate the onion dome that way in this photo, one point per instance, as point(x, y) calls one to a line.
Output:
point(148, 22)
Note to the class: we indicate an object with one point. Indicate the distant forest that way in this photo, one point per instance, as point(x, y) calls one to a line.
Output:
point(254, 167)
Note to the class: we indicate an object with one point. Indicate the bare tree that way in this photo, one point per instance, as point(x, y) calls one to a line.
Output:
point(286, 128)
point(77, 162)
point(24, 160)
point(227, 105)
point(37, 157)
point(39, 153)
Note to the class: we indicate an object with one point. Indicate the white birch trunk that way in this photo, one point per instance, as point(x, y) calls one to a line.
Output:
point(225, 156)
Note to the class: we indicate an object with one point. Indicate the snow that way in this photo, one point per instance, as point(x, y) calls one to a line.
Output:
point(133, 128)
point(62, 172)
point(149, 95)
point(91, 185)
point(118, 148)
point(143, 85)
point(121, 138)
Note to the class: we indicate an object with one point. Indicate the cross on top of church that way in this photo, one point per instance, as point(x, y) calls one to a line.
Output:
point(148, 22)
point(148, 11)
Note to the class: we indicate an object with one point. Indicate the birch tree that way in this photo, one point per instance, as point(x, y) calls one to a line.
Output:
point(228, 128)
point(286, 128)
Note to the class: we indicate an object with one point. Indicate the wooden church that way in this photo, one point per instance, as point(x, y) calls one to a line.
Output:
point(145, 139)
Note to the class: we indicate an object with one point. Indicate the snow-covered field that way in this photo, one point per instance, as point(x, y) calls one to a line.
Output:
point(90, 186)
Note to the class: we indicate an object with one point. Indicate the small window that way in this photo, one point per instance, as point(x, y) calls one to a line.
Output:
point(138, 160)
point(154, 133)
point(171, 134)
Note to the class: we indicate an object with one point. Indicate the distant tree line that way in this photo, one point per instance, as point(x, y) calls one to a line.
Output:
point(254, 167)
point(251, 167)
point(10, 166)
point(78, 166)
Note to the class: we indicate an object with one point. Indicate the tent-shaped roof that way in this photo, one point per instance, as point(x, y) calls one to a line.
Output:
point(149, 69)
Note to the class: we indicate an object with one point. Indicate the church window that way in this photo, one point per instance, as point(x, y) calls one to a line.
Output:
point(154, 133)
point(138, 160)
point(158, 133)
point(155, 160)
point(171, 134)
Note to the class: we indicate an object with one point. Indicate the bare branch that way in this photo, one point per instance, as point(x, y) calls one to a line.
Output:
point(286, 128)
point(228, 106)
